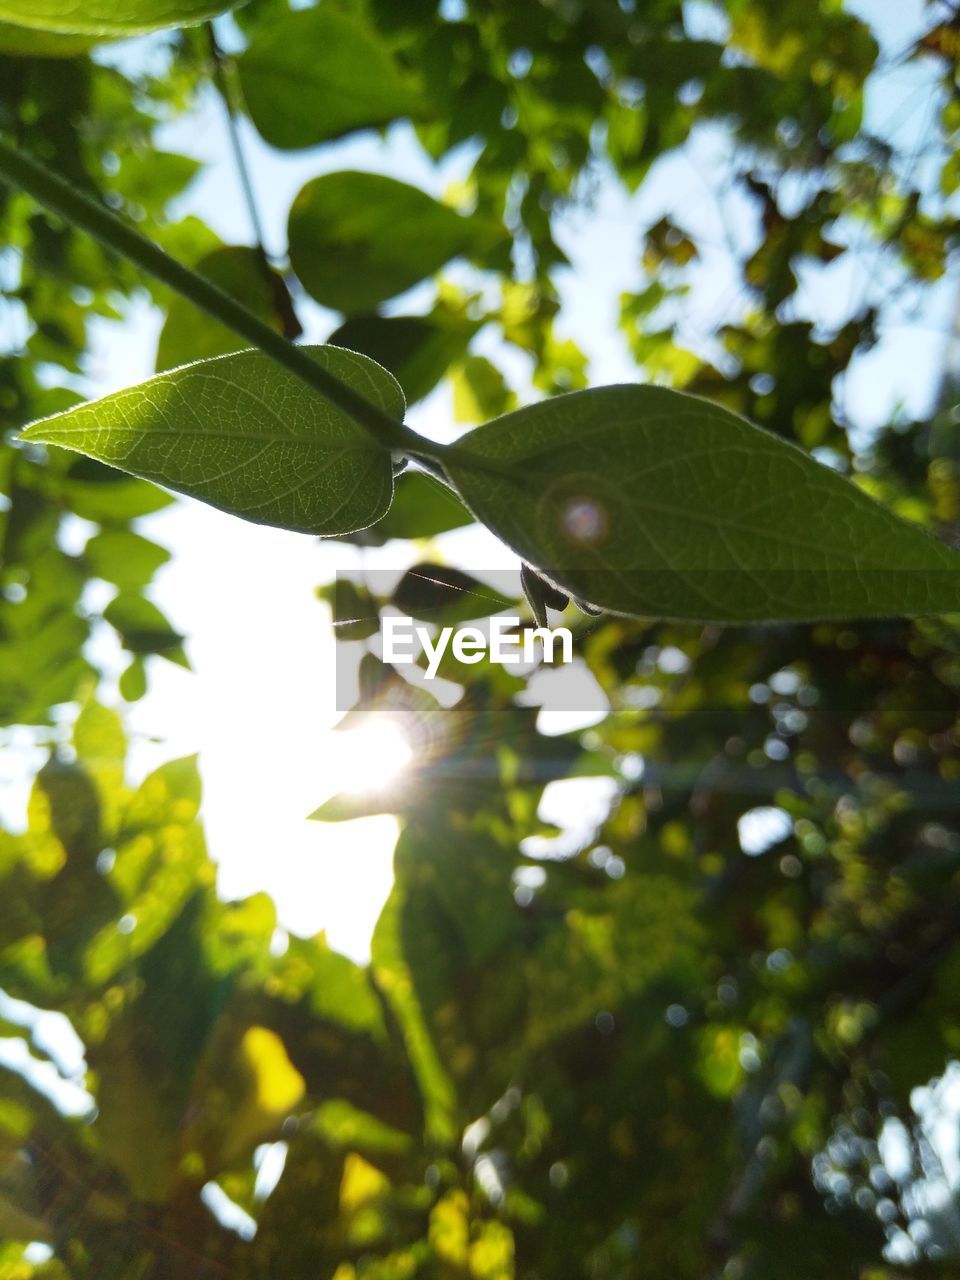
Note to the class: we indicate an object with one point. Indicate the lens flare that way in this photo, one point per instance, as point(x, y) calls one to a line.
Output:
point(584, 521)
point(373, 755)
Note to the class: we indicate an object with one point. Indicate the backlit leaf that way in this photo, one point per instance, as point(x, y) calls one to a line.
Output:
point(31, 43)
point(651, 502)
point(108, 17)
point(243, 434)
point(330, 57)
point(100, 744)
point(357, 239)
point(132, 682)
point(479, 391)
point(123, 557)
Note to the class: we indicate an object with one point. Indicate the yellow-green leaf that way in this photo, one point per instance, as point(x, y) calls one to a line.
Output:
point(243, 434)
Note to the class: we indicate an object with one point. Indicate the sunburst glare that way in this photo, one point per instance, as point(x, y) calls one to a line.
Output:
point(373, 755)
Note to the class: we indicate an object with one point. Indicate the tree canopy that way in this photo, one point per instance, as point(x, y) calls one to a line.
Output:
point(690, 1045)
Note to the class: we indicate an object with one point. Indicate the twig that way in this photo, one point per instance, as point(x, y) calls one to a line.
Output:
point(292, 328)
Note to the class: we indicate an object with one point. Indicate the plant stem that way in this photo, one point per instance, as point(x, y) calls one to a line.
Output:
point(52, 192)
point(224, 88)
point(223, 79)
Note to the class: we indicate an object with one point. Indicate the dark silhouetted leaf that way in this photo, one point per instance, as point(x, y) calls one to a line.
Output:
point(355, 614)
point(143, 628)
point(445, 595)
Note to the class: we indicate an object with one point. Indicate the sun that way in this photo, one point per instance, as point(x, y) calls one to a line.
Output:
point(371, 756)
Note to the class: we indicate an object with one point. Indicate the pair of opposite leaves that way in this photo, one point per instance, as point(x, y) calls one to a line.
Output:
point(637, 499)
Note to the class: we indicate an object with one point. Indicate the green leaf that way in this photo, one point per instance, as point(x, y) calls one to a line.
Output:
point(654, 503)
point(333, 988)
point(65, 802)
point(189, 334)
point(154, 177)
point(391, 971)
point(99, 739)
point(143, 628)
point(330, 59)
point(243, 434)
point(100, 493)
point(190, 241)
point(480, 392)
point(344, 1125)
point(357, 239)
point(108, 17)
point(417, 350)
point(101, 745)
point(355, 612)
point(445, 595)
point(171, 792)
point(133, 681)
point(626, 134)
point(423, 507)
point(119, 556)
point(24, 42)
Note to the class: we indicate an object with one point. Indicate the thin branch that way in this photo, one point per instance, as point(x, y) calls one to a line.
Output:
point(292, 328)
point(221, 79)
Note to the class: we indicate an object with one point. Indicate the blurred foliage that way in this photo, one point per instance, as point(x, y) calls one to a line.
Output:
point(669, 1051)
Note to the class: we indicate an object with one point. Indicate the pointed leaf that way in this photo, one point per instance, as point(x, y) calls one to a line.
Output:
point(133, 681)
point(101, 747)
point(445, 595)
point(651, 502)
point(243, 434)
point(143, 628)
